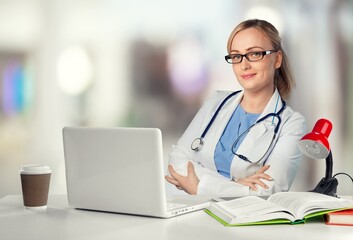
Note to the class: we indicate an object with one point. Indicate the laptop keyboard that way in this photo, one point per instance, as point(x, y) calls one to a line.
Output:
point(171, 206)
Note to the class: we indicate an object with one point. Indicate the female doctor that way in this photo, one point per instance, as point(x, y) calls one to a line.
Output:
point(245, 142)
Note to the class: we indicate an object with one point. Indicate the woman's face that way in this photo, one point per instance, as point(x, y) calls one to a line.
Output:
point(257, 76)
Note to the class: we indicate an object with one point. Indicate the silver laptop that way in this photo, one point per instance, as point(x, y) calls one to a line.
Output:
point(120, 170)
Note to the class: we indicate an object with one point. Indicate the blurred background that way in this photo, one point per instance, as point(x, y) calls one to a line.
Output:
point(151, 64)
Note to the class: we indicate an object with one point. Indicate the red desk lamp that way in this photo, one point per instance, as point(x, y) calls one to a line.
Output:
point(315, 145)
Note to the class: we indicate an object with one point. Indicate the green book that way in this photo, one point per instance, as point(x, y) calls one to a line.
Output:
point(279, 208)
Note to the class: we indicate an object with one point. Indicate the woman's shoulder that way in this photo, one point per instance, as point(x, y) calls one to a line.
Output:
point(221, 94)
point(293, 117)
point(217, 97)
point(289, 111)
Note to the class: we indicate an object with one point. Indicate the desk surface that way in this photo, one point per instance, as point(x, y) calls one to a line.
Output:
point(60, 221)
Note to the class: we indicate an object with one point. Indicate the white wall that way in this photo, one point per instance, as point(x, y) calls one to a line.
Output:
point(41, 30)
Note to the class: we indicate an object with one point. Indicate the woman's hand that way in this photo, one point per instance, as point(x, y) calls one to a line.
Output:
point(189, 183)
point(254, 180)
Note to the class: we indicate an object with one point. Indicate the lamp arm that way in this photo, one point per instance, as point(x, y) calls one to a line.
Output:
point(328, 184)
point(329, 164)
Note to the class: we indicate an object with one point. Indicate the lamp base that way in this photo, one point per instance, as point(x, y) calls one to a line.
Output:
point(327, 186)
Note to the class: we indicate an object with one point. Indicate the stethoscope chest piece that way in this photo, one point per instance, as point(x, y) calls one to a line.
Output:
point(197, 144)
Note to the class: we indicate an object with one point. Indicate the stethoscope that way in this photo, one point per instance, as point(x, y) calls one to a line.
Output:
point(197, 144)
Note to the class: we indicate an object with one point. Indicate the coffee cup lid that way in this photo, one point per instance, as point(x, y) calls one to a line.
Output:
point(35, 169)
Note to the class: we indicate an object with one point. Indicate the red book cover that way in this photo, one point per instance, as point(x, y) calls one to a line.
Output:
point(343, 218)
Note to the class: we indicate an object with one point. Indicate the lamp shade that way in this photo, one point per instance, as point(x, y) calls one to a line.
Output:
point(315, 144)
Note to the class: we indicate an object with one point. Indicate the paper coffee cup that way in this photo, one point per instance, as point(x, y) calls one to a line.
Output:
point(35, 181)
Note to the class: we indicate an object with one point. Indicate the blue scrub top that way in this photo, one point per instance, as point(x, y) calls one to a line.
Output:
point(238, 123)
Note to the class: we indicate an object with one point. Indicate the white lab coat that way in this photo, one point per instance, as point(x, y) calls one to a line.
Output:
point(284, 158)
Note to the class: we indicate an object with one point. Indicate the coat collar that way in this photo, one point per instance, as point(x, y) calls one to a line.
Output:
point(271, 107)
point(274, 105)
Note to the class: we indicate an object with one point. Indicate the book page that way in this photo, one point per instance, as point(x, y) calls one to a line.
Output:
point(251, 209)
point(305, 203)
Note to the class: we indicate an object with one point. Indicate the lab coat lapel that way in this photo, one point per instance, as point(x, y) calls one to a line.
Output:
point(254, 135)
point(271, 105)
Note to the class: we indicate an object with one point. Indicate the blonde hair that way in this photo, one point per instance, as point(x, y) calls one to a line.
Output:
point(283, 78)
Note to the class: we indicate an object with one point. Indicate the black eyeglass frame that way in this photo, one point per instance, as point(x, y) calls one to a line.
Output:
point(246, 55)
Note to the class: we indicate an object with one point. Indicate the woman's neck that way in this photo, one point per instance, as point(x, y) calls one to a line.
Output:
point(255, 102)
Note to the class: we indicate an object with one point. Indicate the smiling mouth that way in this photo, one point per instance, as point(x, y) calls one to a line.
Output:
point(248, 76)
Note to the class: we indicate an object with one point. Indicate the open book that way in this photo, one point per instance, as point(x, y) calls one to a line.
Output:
point(283, 207)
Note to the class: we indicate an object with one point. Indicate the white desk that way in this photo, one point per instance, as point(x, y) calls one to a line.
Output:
point(60, 221)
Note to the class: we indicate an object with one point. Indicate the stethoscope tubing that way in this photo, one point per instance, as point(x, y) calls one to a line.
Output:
point(242, 157)
point(198, 142)
point(216, 113)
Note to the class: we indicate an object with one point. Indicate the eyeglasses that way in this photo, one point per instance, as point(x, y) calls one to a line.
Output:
point(250, 56)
